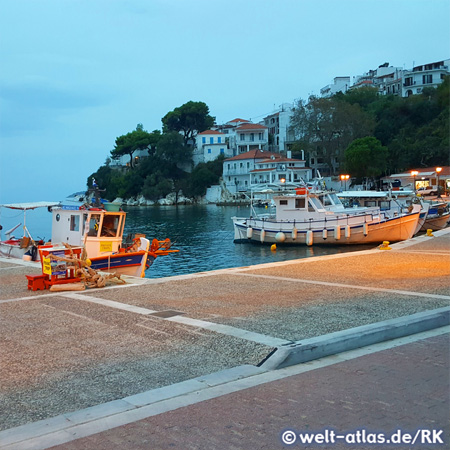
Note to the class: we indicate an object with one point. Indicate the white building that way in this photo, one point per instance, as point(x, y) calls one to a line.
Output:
point(242, 135)
point(427, 75)
point(340, 84)
point(379, 78)
point(209, 145)
point(278, 126)
point(246, 170)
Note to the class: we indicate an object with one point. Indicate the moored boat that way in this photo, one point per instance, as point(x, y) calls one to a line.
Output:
point(393, 202)
point(438, 216)
point(97, 230)
point(301, 218)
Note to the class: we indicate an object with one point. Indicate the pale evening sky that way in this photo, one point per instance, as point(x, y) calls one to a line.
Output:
point(75, 74)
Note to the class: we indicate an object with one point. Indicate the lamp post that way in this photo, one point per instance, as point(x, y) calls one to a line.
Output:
point(438, 171)
point(414, 173)
point(283, 181)
point(344, 179)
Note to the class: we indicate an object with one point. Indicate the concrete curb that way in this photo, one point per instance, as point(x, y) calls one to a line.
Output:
point(342, 341)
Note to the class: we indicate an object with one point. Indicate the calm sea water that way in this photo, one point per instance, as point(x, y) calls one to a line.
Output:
point(203, 234)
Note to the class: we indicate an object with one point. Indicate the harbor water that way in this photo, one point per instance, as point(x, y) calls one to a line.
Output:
point(203, 234)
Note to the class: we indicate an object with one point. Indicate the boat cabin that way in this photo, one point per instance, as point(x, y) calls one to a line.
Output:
point(298, 207)
point(98, 230)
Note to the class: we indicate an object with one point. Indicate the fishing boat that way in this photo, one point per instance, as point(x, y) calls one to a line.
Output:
point(438, 216)
point(301, 218)
point(394, 201)
point(98, 228)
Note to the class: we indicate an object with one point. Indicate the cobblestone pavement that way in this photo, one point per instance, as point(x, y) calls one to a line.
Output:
point(403, 388)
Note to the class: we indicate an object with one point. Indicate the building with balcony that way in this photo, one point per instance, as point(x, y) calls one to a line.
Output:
point(243, 172)
point(278, 126)
point(426, 75)
point(380, 78)
point(209, 145)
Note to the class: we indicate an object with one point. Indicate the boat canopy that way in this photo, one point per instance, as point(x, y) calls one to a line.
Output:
point(31, 205)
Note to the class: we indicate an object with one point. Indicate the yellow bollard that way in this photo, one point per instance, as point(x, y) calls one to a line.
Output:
point(385, 246)
point(273, 247)
point(430, 232)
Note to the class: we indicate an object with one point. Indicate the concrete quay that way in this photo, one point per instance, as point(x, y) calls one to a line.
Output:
point(194, 361)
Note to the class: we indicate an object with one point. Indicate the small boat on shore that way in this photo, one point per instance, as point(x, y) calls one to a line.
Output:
point(301, 218)
point(25, 247)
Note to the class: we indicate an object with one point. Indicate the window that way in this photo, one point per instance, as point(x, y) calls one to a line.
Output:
point(408, 81)
point(110, 225)
point(312, 160)
point(93, 225)
point(260, 136)
point(283, 202)
point(242, 137)
point(211, 140)
point(252, 136)
point(209, 150)
point(427, 79)
point(248, 165)
point(203, 140)
point(219, 139)
point(299, 202)
point(74, 223)
point(222, 151)
point(241, 165)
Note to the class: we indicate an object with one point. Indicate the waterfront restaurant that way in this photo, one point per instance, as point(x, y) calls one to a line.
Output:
point(424, 177)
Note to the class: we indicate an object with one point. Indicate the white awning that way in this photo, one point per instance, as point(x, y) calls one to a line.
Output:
point(31, 205)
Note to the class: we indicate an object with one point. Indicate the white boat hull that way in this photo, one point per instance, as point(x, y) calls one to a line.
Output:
point(13, 250)
point(337, 233)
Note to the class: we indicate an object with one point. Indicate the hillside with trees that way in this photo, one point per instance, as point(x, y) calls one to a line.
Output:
point(410, 132)
point(168, 153)
point(360, 132)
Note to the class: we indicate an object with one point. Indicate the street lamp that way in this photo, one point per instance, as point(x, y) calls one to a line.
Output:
point(414, 173)
point(344, 179)
point(438, 171)
point(283, 181)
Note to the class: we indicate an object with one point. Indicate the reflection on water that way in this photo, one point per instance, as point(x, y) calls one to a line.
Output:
point(204, 236)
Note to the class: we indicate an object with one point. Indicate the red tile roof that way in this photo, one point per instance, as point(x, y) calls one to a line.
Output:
point(280, 159)
point(251, 126)
point(252, 154)
point(238, 120)
point(210, 132)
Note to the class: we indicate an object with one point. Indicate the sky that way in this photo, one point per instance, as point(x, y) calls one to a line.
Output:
point(76, 74)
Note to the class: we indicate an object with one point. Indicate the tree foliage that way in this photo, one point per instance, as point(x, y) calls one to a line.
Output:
point(188, 119)
point(139, 139)
point(325, 127)
point(366, 157)
point(415, 130)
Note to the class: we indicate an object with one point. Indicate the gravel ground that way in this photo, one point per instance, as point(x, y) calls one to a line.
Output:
point(64, 355)
point(60, 354)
